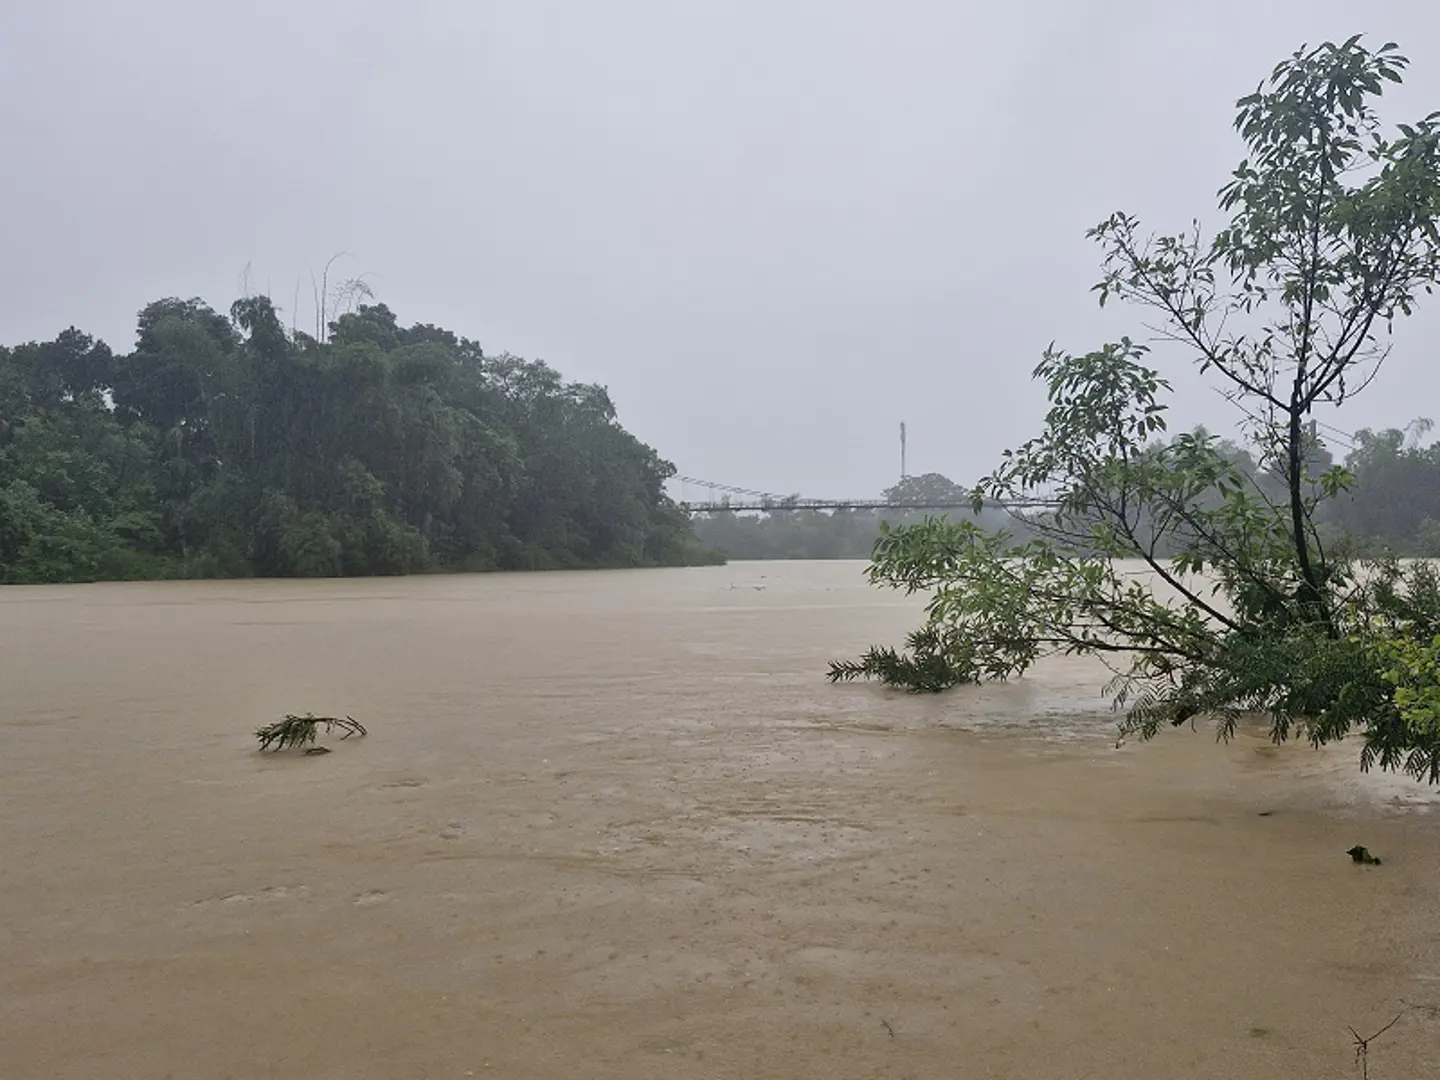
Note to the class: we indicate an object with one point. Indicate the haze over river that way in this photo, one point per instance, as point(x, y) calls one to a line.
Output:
point(618, 825)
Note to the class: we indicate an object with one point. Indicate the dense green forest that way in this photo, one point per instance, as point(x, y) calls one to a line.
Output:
point(1392, 506)
point(223, 447)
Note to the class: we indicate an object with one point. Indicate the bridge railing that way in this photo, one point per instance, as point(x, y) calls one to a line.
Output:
point(783, 505)
point(727, 498)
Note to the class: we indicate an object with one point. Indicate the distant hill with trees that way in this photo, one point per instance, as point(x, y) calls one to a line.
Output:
point(230, 446)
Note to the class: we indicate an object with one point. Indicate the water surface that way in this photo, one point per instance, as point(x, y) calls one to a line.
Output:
point(619, 825)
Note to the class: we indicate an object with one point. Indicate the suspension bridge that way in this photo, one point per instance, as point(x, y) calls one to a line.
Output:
point(717, 497)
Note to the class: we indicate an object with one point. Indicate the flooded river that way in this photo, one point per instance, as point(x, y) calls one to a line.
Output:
point(618, 825)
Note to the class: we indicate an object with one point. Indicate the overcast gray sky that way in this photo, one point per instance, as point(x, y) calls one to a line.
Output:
point(774, 229)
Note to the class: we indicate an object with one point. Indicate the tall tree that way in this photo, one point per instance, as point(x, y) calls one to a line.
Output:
point(927, 489)
point(1332, 235)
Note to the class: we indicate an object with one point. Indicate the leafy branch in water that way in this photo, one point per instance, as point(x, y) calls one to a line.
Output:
point(1239, 606)
point(935, 663)
point(302, 730)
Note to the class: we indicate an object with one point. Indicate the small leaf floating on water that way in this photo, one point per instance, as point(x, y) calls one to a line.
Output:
point(1361, 854)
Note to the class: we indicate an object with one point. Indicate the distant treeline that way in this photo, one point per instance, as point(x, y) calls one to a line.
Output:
point(790, 532)
point(229, 446)
point(1392, 505)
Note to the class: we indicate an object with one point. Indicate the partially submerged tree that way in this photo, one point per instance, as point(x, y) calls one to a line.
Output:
point(1332, 235)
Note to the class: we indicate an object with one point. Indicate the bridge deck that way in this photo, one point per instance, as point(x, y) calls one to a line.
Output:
point(768, 501)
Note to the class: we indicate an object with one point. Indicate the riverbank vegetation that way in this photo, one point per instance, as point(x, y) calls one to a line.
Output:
point(1252, 606)
point(233, 446)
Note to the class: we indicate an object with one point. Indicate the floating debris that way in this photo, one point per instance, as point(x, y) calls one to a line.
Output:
point(302, 730)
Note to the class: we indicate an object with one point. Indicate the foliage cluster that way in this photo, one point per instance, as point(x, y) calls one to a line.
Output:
point(233, 446)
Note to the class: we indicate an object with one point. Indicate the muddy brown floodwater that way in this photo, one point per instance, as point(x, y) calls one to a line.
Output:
point(619, 825)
